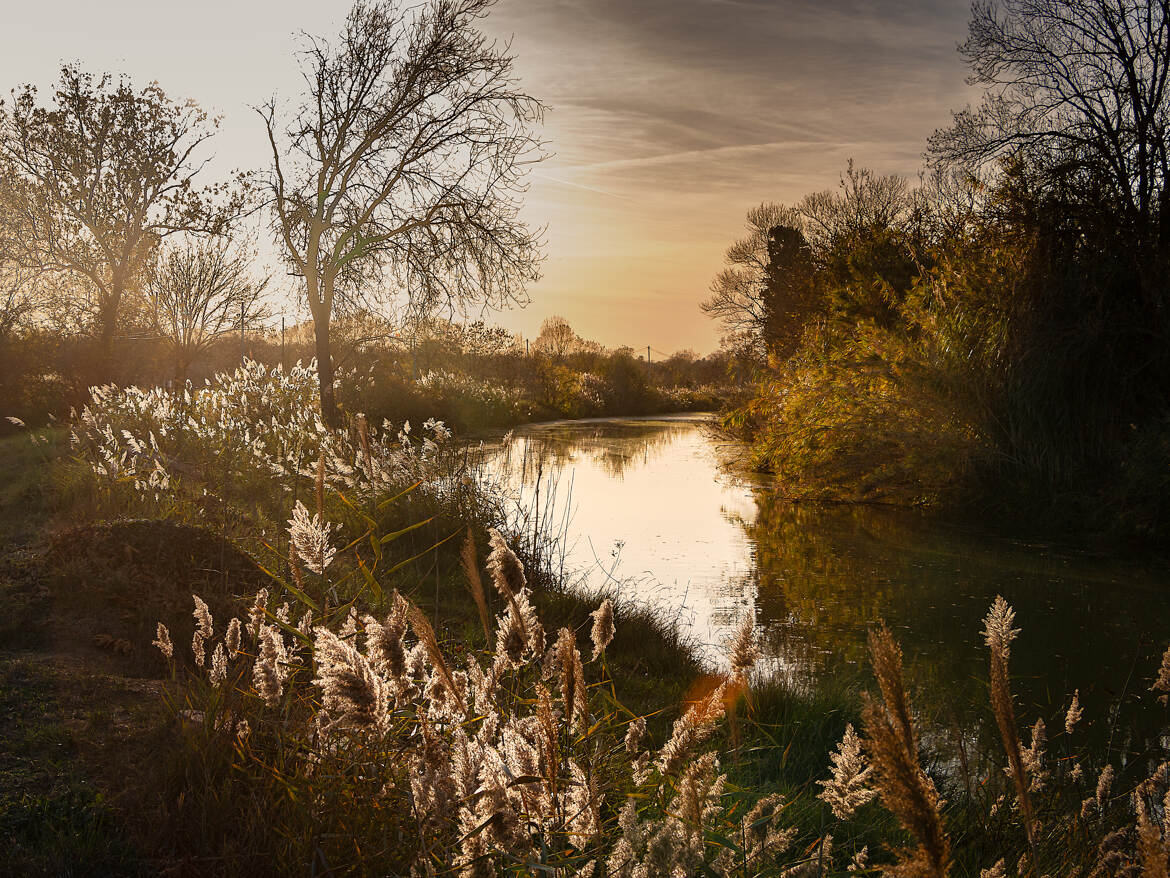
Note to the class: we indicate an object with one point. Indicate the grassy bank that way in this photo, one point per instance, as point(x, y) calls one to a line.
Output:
point(153, 764)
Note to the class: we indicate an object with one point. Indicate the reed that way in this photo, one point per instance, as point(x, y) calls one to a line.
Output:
point(369, 738)
point(892, 746)
point(999, 634)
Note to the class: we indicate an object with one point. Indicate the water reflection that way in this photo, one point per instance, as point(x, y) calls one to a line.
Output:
point(708, 545)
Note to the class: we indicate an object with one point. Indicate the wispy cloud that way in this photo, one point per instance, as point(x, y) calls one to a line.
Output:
point(541, 176)
point(694, 110)
point(715, 153)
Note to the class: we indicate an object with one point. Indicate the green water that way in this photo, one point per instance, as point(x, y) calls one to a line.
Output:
point(657, 509)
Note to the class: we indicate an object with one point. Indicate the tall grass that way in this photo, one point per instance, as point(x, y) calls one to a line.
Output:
point(330, 725)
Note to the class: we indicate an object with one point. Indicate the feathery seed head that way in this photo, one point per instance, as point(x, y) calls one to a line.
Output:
point(163, 641)
point(310, 536)
point(475, 582)
point(232, 639)
point(1104, 788)
point(998, 630)
point(505, 568)
point(218, 670)
point(847, 789)
point(351, 692)
point(202, 616)
point(572, 678)
point(603, 628)
point(1074, 713)
point(635, 733)
point(258, 612)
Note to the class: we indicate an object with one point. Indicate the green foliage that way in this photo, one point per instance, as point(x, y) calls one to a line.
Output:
point(989, 345)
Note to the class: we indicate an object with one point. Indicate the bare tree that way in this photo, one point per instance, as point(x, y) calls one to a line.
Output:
point(200, 291)
point(557, 338)
point(1073, 84)
point(739, 293)
point(103, 175)
point(862, 204)
point(405, 161)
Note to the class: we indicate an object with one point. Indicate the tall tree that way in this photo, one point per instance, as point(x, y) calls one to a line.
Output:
point(766, 291)
point(201, 291)
point(1073, 86)
point(102, 176)
point(405, 161)
point(557, 338)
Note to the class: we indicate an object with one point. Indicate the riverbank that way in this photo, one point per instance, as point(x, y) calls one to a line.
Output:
point(95, 591)
point(94, 779)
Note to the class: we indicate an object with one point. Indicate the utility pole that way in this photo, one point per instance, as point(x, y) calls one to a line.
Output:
point(647, 355)
point(282, 367)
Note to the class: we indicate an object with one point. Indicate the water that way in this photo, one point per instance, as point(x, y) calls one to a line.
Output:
point(656, 510)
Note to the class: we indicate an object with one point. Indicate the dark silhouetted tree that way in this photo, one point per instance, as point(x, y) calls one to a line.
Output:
point(1073, 87)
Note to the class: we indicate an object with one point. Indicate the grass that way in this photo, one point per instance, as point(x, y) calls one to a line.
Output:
point(96, 774)
point(56, 820)
point(26, 492)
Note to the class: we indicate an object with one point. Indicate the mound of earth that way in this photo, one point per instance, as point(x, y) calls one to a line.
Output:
point(111, 584)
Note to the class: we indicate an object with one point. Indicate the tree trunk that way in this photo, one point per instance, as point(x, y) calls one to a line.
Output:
point(182, 367)
point(108, 317)
point(104, 360)
point(329, 413)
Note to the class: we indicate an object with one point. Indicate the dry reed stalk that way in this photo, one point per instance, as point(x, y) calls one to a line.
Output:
point(426, 635)
point(892, 745)
point(363, 431)
point(548, 730)
point(572, 678)
point(295, 566)
point(321, 483)
point(744, 651)
point(998, 633)
point(475, 583)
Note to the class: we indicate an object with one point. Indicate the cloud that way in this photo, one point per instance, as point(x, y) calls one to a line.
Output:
point(691, 111)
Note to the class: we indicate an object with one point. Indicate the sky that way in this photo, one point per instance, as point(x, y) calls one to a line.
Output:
point(668, 119)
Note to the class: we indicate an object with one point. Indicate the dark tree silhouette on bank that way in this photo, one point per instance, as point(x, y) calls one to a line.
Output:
point(739, 293)
point(403, 167)
point(1074, 87)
